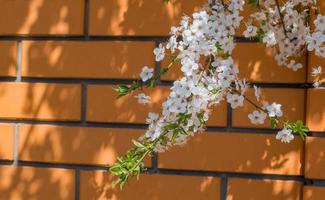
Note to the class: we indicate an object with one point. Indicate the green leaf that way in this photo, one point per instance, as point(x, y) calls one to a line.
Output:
point(254, 3)
point(260, 35)
point(151, 83)
point(170, 126)
point(135, 85)
point(137, 144)
point(164, 71)
point(274, 122)
point(218, 46)
point(299, 128)
point(121, 90)
point(200, 116)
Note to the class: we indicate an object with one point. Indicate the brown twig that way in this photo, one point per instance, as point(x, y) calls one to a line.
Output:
point(281, 18)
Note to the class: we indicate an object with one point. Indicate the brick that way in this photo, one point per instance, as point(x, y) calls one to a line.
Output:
point(315, 111)
point(8, 58)
point(315, 158)
point(74, 145)
point(6, 142)
point(40, 101)
point(256, 65)
point(259, 65)
point(97, 60)
point(232, 152)
point(110, 17)
point(38, 17)
point(243, 189)
point(218, 116)
point(19, 183)
point(314, 193)
point(127, 109)
point(98, 185)
point(292, 101)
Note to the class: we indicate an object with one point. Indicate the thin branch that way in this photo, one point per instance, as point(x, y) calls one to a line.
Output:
point(281, 18)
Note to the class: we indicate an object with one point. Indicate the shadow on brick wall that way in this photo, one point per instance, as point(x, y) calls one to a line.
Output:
point(35, 183)
point(137, 17)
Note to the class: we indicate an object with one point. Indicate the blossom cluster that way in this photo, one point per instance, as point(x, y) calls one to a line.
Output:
point(287, 28)
point(208, 34)
point(202, 45)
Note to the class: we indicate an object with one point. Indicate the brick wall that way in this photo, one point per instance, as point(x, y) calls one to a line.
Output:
point(61, 124)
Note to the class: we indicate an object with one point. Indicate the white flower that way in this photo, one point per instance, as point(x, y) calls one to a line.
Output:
point(189, 66)
point(257, 117)
point(285, 135)
point(235, 100)
point(251, 31)
point(294, 66)
point(152, 117)
point(316, 71)
point(280, 59)
point(159, 52)
point(142, 98)
point(320, 52)
point(320, 23)
point(312, 43)
point(257, 92)
point(172, 44)
point(316, 84)
point(146, 73)
point(269, 39)
point(155, 130)
point(274, 110)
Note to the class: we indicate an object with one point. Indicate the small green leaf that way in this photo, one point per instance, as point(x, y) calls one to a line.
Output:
point(260, 35)
point(274, 122)
point(170, 126)
point(121, 90)
point(254, 3)
point(299, 128)
point(137, 144)
point(164, 71)
point(135, 85)
point(151, 83)
point(218, 46)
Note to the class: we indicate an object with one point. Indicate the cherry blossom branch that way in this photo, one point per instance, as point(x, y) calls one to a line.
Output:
point(209, 34)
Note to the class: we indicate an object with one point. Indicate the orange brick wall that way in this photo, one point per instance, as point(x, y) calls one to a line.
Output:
point(60, 124)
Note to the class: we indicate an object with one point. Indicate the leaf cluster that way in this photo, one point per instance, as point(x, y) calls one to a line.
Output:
point(298, 127)
point(132, 163)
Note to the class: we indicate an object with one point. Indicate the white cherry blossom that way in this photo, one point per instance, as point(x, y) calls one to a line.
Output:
point(274, 110)
point(285, 135)
point(152, 117)
point(146, 73)
point(143, 98)
point(257, 117)
point(316, 71)
point(294, 65)
point(251, 31)
point(235, 100)
point(159, 52)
